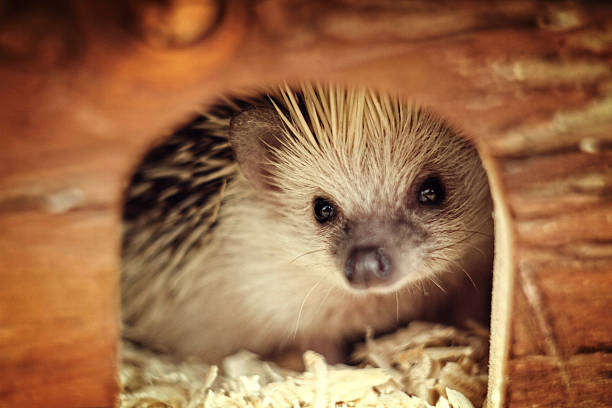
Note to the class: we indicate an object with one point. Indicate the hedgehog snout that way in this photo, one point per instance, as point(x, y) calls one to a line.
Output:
point(368, 266)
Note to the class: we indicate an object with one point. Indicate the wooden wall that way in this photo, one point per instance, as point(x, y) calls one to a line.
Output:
point(87, 86)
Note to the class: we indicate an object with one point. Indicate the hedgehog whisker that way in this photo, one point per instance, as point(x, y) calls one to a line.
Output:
point(452, 244)
point(297, 323)
point(468, 231)
point(306, 253)
point(457, 265)
point(477, 249)
point(423, 287)
point(437, 283)
point(322, 302)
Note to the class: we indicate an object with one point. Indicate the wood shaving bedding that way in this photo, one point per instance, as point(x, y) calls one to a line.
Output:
point(421, 366)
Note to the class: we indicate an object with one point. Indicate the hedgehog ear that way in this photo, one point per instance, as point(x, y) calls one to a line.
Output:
point(252, 134)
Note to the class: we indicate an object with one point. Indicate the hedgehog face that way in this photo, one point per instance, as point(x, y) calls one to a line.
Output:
point(376, 250)
point(383, 242)
point(387, 197)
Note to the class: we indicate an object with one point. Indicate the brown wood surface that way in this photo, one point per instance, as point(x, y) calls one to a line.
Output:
point(543, 384)
point(87, 86)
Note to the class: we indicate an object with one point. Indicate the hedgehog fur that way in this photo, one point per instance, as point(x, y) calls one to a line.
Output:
point(222, 251)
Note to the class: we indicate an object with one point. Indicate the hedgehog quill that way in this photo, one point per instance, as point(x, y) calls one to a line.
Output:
point(300, 219)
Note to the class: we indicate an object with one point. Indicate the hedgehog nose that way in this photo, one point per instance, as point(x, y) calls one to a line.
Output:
point(367, 266)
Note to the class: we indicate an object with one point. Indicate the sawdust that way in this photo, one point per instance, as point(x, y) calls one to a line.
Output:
point(423, 365)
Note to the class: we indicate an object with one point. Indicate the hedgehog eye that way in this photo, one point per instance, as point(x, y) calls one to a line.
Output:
point(431, 192)
point(324, 210)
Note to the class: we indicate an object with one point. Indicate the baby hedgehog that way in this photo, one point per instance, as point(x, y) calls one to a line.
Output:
point(300, 219)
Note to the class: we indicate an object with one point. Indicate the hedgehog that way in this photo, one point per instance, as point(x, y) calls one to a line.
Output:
point(300, 219)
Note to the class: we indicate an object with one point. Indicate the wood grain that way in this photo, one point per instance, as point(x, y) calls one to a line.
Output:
point(544, 383)
point(58, 308)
